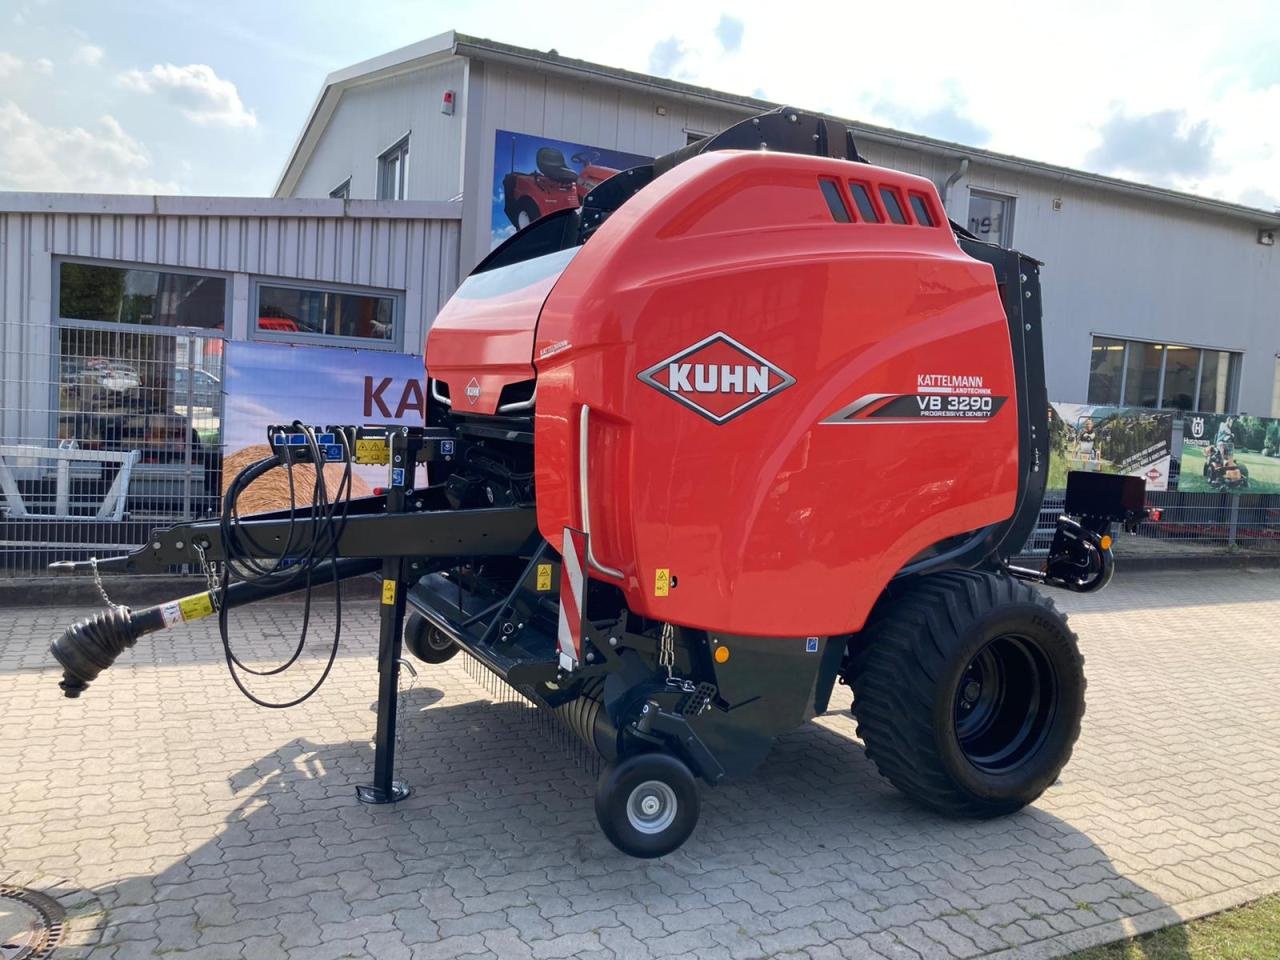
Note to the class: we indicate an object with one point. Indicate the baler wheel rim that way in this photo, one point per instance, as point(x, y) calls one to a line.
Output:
point(652, 807)
point(1005, 702)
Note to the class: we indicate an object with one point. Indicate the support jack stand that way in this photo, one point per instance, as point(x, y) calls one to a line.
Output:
point(368, 793)
point(386, 789)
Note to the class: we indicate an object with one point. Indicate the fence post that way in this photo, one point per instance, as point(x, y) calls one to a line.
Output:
point(1233, 522)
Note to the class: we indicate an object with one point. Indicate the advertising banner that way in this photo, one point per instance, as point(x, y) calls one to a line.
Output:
point(269, 383)
point(534, 176)
point(1229, 453)
point(1127, 440)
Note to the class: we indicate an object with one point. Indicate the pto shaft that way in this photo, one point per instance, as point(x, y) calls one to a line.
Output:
point(92, 645)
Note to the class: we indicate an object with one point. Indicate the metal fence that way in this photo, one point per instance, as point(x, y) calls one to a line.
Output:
point(128, 437)
point(1190, 523)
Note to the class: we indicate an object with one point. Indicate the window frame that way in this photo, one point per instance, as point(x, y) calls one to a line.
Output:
point(396, 297)
point(223, 333)
point(342, 191)
point(399, 149)
point(1235, 365)
point(61, 323)
point(1010, 200)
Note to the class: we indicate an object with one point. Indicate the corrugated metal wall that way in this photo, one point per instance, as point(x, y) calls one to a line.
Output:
point(372, 117)
point(374, 245)
point(1129, 267)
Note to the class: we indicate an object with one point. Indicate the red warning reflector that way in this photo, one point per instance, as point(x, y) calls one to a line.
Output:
point(573, 597)
point(379, 491)
point(1155, 514)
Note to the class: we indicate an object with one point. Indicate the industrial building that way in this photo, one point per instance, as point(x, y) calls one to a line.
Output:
point(410, 167)
point(1152, 297)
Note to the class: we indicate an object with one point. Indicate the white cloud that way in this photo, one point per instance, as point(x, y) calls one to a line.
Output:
point(201, 95)
point(9, 65)
point(43, 65)
point(87, 55)
point(36, 156)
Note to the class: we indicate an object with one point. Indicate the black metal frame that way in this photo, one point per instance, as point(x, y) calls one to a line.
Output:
point(401, 535)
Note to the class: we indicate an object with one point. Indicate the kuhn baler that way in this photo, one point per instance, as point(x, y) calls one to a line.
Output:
point(754, 419)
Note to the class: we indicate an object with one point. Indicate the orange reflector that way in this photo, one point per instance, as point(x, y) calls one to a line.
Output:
point(1106, 541)
point(721, 654)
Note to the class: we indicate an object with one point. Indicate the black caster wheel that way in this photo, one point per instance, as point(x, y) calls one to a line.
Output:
point(426, 642)
point(647, 804)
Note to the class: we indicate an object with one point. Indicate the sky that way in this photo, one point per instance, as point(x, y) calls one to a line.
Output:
point(171, 96)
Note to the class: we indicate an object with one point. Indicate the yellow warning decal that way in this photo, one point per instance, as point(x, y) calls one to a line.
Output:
point(372, 450)
point(662, 582)
point(388, 592)
point(544, 577)
point(196, 606)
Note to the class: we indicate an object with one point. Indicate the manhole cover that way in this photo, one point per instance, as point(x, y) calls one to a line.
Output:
point(30, 924)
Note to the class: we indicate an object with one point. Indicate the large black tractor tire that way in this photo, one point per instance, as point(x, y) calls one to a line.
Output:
point(426, 642)
point(647, 804)
point(969, 692)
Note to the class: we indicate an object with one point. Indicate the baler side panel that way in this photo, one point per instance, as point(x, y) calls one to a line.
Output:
point(771, 522)
point(483, 337)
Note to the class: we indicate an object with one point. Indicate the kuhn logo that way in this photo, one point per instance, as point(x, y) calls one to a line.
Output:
point(473, 391)
point(717, 377)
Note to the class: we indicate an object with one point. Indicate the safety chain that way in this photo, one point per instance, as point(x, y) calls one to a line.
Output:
point(102, 589)
point(667, 658)
point(401, 696)
point(210, 570)
point(667, 648)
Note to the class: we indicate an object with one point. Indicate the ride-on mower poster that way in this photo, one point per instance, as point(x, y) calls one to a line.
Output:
point(534, 176)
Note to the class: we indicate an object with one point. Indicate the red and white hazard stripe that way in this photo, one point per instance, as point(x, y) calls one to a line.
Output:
point(573, 596)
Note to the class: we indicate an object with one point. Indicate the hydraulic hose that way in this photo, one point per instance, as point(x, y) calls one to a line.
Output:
point(91, 646)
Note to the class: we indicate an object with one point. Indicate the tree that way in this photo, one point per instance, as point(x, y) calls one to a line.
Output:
point(89, 292)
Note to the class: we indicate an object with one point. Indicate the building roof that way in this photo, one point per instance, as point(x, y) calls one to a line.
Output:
point(142, 205)
point(452, 43)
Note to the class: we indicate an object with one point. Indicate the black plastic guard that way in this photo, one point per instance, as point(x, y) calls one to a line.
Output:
point(1104, 496)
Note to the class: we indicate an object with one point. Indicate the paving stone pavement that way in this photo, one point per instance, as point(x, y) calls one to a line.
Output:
point(207, 827)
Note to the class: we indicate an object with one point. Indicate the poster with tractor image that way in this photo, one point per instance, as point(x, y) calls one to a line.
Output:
point(534, 176)
point(1127, 440)
point(1229, 453)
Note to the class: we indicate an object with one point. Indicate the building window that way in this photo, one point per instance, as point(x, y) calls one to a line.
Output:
point(991, 217)
point(95, 293)
point(140, 371)
point(1106, 371)
point(393, 171)
point(342, 191)
point(310, 313)
point(1162, 375)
